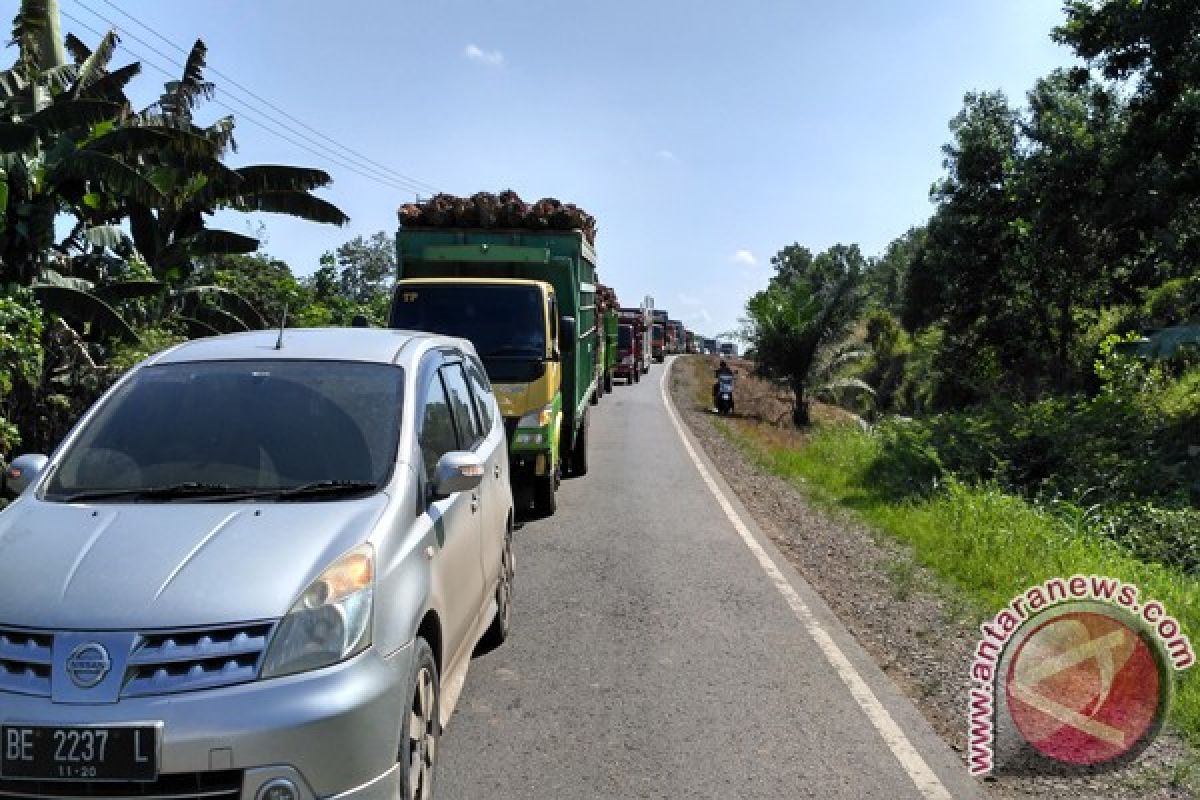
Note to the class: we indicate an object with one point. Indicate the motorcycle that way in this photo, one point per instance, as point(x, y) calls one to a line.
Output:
point(724, 395)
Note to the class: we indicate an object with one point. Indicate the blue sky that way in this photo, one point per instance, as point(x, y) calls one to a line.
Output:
point(703, 135)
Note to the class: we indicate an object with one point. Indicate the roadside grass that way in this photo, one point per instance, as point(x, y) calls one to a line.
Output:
point(987, 546)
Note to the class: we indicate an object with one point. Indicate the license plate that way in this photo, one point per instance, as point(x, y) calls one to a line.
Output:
point(84, 753)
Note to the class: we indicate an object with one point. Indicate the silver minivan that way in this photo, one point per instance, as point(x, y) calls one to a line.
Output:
point(250, 569)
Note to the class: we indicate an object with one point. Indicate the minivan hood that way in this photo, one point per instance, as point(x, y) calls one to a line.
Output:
point(143, 566)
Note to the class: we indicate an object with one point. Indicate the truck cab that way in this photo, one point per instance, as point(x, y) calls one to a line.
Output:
point(658, 342)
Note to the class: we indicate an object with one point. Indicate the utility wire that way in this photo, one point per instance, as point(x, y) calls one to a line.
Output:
point(229, 79)
point(254, 117)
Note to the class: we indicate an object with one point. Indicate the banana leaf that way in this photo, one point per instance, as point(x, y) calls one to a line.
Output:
point(129, 290)
point(219, 319)
point(297, 204)
point(197, 329)
point(85, 311)
point(231, 302)
point(66, 114)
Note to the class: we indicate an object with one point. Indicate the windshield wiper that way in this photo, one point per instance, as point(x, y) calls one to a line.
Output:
point(325, 489)
point(191, 490)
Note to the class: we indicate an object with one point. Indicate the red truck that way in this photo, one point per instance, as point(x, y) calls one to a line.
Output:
point(633, 356)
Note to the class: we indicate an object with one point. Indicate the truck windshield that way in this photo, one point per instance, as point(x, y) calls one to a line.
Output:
point(624, 337)
point(236, 426)
point(503, 322)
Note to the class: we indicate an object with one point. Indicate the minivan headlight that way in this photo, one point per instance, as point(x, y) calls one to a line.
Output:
point(330, 622)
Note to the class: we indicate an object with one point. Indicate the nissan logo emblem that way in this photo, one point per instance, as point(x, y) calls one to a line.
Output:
point(88, 664)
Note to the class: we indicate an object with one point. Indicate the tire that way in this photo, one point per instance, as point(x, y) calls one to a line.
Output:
point(637, 374)
point(545, 498)
point(422, 730)
point(579, 456)
point(608, 382)
point(502, 622)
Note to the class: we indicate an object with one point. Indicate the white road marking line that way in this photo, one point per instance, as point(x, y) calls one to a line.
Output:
point(926, 781)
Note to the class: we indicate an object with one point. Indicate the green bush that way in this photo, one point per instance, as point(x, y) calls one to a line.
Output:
point(21, 325)
point(1167, 536)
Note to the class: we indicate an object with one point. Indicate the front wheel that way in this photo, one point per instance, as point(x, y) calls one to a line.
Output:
point(502, 622)
point(608, 382)
point(423, 728)
point(545, 498)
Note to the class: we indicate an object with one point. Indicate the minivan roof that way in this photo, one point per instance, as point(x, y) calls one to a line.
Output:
point(373, 345)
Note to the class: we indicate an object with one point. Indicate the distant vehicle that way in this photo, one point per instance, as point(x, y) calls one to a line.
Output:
point(710, 346)
point(658, 343)
point(247, 568)
point(676, 341)
point(723, 394)
point(728, 349)
point(637, 319)
point(627, 366)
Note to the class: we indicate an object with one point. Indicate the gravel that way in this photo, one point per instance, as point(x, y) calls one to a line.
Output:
point(915, 627)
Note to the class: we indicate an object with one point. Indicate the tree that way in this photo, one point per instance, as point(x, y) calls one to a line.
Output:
point(807, 309)
point(1148, 51)
point(368, 267)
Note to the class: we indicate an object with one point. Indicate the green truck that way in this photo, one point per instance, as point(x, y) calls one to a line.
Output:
point(527, 300)
point(608, 310)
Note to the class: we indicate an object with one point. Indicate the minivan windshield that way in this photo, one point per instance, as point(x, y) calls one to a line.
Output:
point(228, 427)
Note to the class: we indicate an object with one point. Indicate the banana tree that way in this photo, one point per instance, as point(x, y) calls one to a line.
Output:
point(171, 236)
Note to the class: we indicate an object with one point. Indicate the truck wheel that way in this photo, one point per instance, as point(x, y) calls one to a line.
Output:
point(545, 499)
point(637, 374)
point(579, 457)
point(608, 382)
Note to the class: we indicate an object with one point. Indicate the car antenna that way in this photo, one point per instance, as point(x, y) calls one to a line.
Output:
point(282, 325)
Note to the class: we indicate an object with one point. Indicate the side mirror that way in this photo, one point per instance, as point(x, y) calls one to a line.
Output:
point(568, 335)
point(23, 473)
point(458, 471)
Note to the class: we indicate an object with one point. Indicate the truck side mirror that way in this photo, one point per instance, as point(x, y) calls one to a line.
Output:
point(567, 335)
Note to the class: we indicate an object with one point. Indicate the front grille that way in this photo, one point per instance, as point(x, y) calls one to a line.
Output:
point(183, 786)
point(25, 662)
point(161, 662)
point(183, 661)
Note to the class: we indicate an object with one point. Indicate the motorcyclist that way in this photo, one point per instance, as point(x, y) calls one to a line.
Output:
point(722, 371)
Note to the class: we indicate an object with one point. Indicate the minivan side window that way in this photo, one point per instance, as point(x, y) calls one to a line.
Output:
point(469, 435)
point(437, 426)
point(483, 396)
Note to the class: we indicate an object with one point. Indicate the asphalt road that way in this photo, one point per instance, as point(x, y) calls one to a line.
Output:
point(652, 656)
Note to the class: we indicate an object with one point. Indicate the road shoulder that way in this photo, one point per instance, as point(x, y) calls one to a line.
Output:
point(918, 635)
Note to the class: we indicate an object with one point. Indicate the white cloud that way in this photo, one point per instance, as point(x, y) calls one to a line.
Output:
point(491, 58)
point(667, 155)
point(745, 258)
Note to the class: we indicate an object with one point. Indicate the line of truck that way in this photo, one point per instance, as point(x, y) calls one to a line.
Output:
point(552, 338)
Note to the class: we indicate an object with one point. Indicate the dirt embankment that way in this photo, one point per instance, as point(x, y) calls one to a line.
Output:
point(919, 632)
